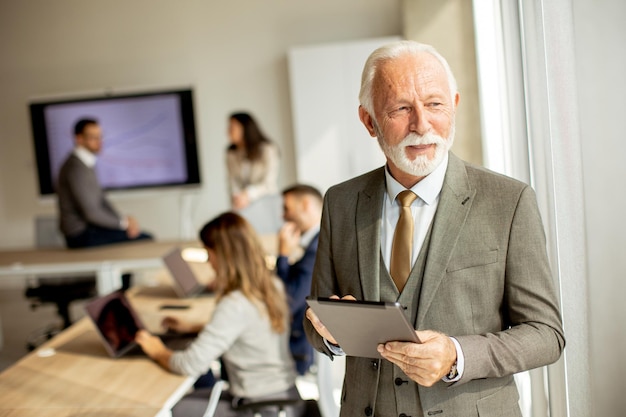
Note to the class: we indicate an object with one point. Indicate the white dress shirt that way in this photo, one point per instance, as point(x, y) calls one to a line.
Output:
point(423, 209)
point(307, 237)
point(85, 156)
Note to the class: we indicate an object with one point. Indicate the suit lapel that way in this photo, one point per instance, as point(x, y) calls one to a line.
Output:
point(368, 209)
point(454, 205)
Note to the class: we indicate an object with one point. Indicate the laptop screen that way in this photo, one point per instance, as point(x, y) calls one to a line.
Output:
point(116, 322)
point(186, 283)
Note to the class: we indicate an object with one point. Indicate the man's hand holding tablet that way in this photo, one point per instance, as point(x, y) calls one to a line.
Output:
point(319, 326)
point(358, 327)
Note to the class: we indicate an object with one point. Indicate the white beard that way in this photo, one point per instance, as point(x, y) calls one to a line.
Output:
point(421, 166)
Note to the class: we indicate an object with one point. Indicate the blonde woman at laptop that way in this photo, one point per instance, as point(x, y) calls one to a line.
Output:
point(249, 328)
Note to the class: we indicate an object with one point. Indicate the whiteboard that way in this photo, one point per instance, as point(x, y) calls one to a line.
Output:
point(330, 143)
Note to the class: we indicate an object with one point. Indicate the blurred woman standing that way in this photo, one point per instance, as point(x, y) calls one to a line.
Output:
point(252, 161)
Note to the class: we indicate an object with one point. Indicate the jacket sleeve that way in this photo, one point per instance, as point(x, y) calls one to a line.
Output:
point(232, 170)
point(297, 278)
point(323, 281)
point(533, 335)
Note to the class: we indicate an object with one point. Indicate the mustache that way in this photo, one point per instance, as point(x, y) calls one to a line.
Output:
point(413, 139)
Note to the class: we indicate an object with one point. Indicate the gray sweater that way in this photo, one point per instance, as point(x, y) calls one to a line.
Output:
point(257, 359)
point(81, 200)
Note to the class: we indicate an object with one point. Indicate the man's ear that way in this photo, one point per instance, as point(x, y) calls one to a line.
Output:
point(367, 121)
point(305, 203)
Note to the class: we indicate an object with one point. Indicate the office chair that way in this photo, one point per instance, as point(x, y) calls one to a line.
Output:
point(61, 291)
point(278, 408)
point(58, 290)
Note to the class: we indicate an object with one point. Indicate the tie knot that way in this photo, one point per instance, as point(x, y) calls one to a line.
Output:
point(406, 197)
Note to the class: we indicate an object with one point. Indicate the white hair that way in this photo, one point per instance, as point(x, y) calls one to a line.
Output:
point(391, 51)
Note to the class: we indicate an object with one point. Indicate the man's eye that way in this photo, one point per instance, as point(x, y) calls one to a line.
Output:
point(400, 111)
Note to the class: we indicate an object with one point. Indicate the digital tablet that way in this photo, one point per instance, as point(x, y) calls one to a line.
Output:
point(360, 326)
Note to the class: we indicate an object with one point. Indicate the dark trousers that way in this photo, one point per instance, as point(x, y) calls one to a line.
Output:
point(98, 236)
point(301, 349)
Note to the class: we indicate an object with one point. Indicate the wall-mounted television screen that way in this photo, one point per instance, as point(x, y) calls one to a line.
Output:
point(149, 139)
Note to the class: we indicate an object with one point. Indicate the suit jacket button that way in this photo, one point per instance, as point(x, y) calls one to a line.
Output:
point(375, 364)
point(400, 381)
point(368, 411)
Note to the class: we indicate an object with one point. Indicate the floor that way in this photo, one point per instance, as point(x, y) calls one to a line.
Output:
point(21, 324)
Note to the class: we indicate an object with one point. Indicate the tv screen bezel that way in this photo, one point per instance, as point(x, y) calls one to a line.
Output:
point(41, 141)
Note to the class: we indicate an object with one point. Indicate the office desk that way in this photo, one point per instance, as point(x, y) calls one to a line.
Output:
point(107, 262)
point(80, 379)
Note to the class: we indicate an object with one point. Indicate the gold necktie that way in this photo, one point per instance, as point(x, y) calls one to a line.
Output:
point(402, 241)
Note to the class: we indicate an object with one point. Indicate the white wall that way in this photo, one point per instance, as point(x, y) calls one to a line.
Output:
point(331, 145)
point(233, 53)
point(448, 26)
point(601, 64)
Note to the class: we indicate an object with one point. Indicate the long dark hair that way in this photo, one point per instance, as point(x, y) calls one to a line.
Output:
point(253, 137)
point(241, 265)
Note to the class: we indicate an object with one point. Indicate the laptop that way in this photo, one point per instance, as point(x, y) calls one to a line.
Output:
point(117, 322)
point(186, 284)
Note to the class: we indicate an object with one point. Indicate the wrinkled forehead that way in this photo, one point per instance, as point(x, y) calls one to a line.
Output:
point(406, 69)
point(410, 77)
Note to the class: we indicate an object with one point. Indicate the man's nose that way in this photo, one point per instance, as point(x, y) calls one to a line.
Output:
point(418, 122)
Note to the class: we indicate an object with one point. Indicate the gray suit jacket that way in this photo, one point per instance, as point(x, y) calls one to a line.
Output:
point(487, 282)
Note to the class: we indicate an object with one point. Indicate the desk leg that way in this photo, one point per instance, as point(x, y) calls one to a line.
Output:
point(109, 279)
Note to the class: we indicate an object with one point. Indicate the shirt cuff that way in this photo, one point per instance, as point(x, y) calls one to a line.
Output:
point(124, 223)
point(460, 362)
point(334, 349)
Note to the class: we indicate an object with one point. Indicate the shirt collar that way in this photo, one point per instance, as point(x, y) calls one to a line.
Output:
point(307, 237)
point(85, 156)
point(427, 189)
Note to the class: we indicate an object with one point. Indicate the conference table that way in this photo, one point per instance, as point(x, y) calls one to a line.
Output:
point(72, 375)
point(106, 262)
